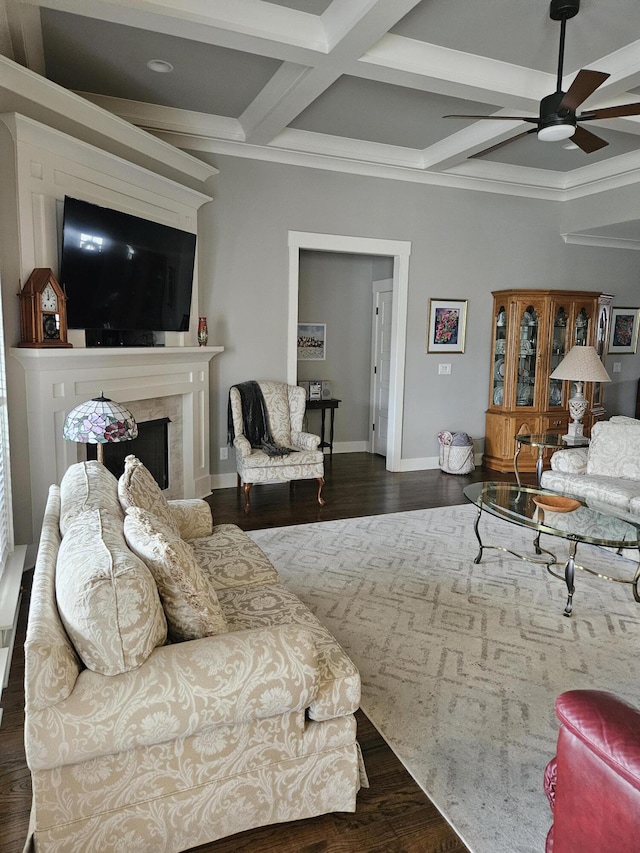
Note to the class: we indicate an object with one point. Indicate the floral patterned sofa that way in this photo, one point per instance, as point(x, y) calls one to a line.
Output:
point(244, 717)
point(607, 472)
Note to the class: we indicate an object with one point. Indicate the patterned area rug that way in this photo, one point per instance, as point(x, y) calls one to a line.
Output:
point(461, 663)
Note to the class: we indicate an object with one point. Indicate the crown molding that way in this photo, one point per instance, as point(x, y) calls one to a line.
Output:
point(600, 241)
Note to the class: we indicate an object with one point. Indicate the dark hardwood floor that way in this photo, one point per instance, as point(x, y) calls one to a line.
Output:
point(393, 815)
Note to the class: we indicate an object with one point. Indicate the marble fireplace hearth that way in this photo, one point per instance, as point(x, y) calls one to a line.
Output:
point(153, 382)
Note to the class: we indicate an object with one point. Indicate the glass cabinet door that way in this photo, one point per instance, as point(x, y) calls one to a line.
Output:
point(527, 351)
point(499, 354)
point(581, 338)
point(558, 352)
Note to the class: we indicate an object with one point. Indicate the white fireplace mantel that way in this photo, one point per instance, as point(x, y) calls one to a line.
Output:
point(59, 379)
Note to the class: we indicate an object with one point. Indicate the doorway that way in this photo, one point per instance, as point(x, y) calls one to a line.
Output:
point(381, 325)
point(400, 252)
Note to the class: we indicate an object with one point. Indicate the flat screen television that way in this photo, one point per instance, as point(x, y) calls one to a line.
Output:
point(123, 273)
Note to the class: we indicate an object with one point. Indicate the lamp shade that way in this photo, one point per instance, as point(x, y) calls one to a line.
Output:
point(99, 421)
point(581, 364)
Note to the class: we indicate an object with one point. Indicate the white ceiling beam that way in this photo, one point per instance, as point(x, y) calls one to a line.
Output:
point(285, 97)
point(407, 62)
point(170, 119)
point(325, 145)
point(246, 25)
point(457, 147)
point(623, 66)
point(342, 16)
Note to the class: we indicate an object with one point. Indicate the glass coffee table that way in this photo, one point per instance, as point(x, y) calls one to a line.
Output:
point(515, 503)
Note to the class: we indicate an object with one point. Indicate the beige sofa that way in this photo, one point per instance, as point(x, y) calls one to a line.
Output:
point(139, 744)
point(605, 473)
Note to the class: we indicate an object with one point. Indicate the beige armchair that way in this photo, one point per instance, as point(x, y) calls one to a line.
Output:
point(285, 408)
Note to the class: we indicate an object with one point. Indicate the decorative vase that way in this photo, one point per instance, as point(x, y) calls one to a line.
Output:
point(203, 332)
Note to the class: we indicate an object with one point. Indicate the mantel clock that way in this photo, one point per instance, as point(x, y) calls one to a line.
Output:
point(43, 313)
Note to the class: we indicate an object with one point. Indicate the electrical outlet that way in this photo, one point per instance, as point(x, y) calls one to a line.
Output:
point(617, 365)
point(224, 453)
point(444, 369)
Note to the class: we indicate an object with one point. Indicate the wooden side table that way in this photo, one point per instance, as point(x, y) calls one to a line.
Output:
point(323, 405)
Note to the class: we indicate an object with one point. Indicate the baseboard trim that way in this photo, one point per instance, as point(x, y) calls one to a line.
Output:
point(348, 447)
point(223, 481)
point(425, 463)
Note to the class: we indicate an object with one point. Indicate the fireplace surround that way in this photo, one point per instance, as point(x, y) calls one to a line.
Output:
point(153, 382)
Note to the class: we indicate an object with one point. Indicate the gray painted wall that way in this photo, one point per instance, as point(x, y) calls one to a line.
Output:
point(464, 245)
point(336, 289)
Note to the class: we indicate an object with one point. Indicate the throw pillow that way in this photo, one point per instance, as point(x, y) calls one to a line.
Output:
point(137, 487)
point(190, 602)
point(106, 596)
point(84, 486)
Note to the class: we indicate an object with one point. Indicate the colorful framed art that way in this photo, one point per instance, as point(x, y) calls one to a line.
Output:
point(624, 330)
point(447, 325)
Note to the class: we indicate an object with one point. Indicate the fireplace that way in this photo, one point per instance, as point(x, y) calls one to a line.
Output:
point(151, 447)
point(152, 382)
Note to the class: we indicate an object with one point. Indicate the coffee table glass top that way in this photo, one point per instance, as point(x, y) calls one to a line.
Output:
point(586, 524)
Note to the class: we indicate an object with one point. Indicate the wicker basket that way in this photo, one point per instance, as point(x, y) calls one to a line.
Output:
point(455, 458)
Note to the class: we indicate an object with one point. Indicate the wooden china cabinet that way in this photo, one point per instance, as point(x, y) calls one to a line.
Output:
point(532, 332)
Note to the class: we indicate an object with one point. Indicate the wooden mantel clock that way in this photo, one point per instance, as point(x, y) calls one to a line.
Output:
point(43, 311)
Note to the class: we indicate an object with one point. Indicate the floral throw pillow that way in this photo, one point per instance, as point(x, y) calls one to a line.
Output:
point(137, 487)
point(190, 603)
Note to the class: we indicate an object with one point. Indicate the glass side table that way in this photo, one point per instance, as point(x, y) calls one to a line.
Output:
point(543, 441)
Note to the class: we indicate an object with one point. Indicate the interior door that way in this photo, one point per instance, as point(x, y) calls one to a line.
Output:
point(382, 302)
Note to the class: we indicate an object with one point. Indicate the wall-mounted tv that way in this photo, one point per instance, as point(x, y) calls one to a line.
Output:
point(123, 273)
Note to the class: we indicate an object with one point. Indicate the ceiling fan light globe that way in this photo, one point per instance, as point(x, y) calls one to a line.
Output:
point(556, 132)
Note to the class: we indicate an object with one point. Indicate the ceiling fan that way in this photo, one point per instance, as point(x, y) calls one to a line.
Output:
point(558, 119)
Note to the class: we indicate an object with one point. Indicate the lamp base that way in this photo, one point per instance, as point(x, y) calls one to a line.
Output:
point(575, 433)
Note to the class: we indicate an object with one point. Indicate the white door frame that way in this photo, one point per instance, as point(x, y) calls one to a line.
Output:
point(400, 250)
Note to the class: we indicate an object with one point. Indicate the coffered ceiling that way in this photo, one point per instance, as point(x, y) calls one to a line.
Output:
point(352, 85)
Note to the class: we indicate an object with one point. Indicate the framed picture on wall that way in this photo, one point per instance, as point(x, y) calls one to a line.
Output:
point(312, 341)
point(624, 330)
point(447, 325)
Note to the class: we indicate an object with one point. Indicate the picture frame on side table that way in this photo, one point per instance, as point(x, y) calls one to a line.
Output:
point(624, 330)
point(447, 325)
point(312, 341)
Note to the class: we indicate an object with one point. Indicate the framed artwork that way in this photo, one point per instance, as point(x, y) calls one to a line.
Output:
point(447, 325)
point(624, 330)
point(312, 341)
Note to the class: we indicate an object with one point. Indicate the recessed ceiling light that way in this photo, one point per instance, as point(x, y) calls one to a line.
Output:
point(160, 65)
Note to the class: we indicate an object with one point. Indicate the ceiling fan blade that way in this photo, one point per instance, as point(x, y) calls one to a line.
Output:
point(588, 141)
point(499, 118)
point(611, 112)
point(585, 84)
point(500, 144)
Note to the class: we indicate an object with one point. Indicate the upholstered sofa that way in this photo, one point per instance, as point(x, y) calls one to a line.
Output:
point(244, 717)
point(607, 472)
point(593, 783)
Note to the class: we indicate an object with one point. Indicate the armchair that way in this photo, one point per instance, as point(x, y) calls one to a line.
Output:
point(593, 783)
point(285, 407)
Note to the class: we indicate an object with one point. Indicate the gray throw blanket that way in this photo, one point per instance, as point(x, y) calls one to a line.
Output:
point(255, 420)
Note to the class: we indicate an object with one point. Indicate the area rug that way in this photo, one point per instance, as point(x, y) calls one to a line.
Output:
point(461, 663)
